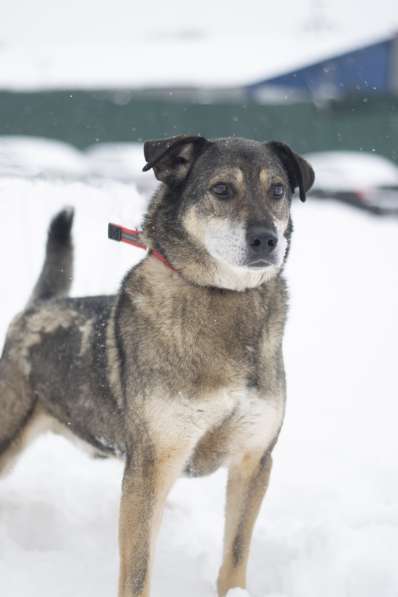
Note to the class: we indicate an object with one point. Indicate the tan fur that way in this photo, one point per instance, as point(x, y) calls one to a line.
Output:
point(113, 365)
point(247, 483)
point(228, 175)
point(264, 178)
point(147, 482)
point(86, 329)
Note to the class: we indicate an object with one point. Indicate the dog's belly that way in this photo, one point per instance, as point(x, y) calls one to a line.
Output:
point(253, 424)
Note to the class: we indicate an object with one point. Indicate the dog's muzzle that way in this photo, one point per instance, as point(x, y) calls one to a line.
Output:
point(261, 243)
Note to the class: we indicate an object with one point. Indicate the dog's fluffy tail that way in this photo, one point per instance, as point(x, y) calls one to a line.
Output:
point(56, 275)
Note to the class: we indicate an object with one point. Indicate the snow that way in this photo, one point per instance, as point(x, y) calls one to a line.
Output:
point(329, 524)
point(32, 156)
point(35, 157)
point(342, 170)
point(134, 45)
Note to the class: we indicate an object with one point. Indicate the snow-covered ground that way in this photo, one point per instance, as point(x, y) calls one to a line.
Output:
point(329, 525)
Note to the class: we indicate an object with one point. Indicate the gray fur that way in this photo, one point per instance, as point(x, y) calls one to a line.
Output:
point(56, 277)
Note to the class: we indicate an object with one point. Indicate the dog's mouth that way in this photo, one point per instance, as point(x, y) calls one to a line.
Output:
point(259, 263)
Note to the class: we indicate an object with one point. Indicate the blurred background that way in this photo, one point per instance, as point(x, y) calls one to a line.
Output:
point(101, 77)
point(82, 84)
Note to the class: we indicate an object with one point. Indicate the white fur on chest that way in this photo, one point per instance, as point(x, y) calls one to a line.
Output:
point(187, 419)
point(248, 420)
point(255, 423)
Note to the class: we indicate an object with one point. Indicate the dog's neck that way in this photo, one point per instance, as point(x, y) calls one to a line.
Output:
point(220, 277)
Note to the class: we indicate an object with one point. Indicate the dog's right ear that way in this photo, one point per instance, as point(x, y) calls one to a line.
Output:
point(299, 171)
point(172, 159)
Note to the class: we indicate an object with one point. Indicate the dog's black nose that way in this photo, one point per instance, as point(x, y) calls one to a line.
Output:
point(261, 240)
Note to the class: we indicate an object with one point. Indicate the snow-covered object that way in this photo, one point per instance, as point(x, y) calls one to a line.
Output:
point(116, 160)
point(120, 161)
point(34, 156)
point(351, 170)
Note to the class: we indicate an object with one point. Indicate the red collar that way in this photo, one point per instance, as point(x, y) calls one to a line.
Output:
point(134, 237)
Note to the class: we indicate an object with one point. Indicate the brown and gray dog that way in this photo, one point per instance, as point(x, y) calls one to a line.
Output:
point(182, 370)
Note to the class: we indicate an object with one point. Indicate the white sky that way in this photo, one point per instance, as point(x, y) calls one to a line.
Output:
point(96, 21)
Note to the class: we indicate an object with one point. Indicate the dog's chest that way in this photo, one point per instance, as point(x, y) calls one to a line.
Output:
point(218, 382)
point(255, 422)
point(252, 424)
point(219, 427)
point(202, 342)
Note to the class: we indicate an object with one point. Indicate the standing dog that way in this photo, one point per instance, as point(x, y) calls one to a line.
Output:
point(182, 370)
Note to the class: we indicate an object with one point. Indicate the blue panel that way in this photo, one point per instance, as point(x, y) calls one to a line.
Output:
point(365, 71)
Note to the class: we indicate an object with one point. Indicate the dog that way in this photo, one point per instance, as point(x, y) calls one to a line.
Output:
point(182, 371)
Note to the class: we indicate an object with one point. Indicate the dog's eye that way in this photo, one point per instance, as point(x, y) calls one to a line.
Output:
point(222, 190)
point(179, 160)
point(277, 190)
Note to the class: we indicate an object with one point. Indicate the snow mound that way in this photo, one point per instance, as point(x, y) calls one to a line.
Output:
point(345, 170)
point(33, 156)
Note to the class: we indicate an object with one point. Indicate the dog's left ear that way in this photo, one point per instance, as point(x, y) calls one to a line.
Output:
point(299, 171)
point(171, 159)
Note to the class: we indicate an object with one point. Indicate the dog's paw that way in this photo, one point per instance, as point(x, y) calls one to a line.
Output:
point(238, 593)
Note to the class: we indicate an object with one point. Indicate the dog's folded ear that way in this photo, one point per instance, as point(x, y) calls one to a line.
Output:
point(171, 159)
point(299, 171)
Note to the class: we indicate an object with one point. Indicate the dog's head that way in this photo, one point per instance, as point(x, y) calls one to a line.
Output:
point(222, 214)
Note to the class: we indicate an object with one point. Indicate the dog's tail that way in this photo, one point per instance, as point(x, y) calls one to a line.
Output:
point(56, 275)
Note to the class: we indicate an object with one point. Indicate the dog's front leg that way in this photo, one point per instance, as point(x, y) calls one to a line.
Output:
point(148, 477)
point(247, 483)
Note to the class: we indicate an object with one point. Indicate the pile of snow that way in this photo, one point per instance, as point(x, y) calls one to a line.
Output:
point(329, 525)
point(346, 170)
point(120, 161)
point(35, 157)
point(123, 161)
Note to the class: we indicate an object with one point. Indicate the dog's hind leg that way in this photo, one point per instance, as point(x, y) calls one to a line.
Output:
point(17, 413)
point(247, 483)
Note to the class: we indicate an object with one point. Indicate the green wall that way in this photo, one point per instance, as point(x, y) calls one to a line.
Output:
point(86, 117)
